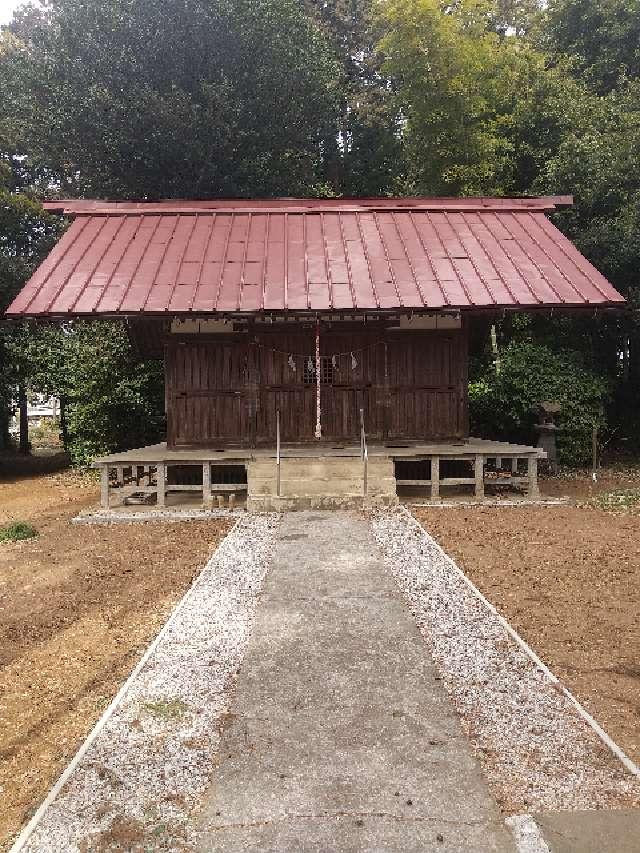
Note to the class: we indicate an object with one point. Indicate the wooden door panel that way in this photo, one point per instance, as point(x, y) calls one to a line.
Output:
point(209, 399)
point(210, 419)
point(424, 415)
point(297, 414)
point(357, 382)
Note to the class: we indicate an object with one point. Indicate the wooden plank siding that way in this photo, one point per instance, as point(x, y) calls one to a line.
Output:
point(412, 385)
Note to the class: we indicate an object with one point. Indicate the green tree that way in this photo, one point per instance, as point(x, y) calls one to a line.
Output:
point(132, 98)
point(516, 17)
point(112, 400)
point(366, 141)
point(598, 161)
point(145, 99)
point(504, 404)
point(471, 96)
point(26, 234)
point(601, 37)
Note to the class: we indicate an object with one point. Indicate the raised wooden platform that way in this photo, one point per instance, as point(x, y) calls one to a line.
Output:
point(228, 471)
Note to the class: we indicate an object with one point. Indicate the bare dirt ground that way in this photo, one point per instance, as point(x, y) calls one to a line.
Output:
point(78, 606)
point(568, 579)
point(580, 486)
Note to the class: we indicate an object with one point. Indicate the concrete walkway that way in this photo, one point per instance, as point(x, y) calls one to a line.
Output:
point(341, 737)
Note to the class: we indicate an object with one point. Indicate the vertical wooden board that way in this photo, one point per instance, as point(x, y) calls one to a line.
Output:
point(228, 391)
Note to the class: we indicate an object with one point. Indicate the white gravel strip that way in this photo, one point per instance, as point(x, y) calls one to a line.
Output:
point(536, 745)
point(519, 502)
point(111, 516)
point(527, 834)
point(140, 776)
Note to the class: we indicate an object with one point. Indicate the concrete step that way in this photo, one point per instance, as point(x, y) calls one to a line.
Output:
point(321, 486)
point(303, 468)
point(335, 468)
point(271, 503)
point(332, 478)
point(326, 477)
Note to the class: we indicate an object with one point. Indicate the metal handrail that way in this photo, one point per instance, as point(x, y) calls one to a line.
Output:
point(278, 453)
point(364, 454)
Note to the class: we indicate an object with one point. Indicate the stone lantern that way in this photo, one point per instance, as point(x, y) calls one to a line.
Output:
point(547, 429)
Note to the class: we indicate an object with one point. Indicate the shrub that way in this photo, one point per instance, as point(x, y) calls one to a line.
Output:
point(113, 401)
point(503, 405)
point(17, 531)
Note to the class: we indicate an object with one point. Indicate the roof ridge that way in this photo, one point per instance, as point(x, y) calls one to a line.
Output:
point(77, 207)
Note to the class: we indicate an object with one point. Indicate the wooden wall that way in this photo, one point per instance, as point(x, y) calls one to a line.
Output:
point(412, 385)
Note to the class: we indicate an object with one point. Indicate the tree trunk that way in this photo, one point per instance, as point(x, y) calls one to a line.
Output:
point(24, 420)
point(64, 435)
point(495, 349)
point(4, 425)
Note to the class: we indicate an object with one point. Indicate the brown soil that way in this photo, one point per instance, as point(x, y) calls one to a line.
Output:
point(568, 579)
point(580, 486)
point(78, 606)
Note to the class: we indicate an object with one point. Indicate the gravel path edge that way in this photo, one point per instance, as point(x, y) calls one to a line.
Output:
point(539, 749)
point(25, 839)
point(526, 648)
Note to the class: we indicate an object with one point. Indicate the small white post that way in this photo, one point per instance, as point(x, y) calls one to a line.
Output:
point(104, 487)
point(161, 483)
point(532, 475)
point(206, 484)
point(479, 476)
point(435, 478)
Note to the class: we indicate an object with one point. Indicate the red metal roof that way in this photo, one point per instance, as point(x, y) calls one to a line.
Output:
point(228, 256)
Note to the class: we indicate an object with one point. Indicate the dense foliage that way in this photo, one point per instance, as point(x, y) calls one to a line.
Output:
point(111, 399)
point(26, 234)
point(191, 98)
point(158, 99)
point(601, 37)
point(505, 402)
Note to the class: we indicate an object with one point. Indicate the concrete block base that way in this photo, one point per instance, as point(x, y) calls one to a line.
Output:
point(319, 483)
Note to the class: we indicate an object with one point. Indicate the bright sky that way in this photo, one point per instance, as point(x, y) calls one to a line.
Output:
point(6, 9)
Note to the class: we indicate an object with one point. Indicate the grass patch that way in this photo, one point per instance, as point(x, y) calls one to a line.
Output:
point(17, 531)
point(170, 709)
point(620, 500)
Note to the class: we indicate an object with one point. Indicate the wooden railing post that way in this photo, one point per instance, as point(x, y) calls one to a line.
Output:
point(364, 455)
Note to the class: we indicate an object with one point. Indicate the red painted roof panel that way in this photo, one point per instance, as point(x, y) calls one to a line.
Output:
point(317, 255)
